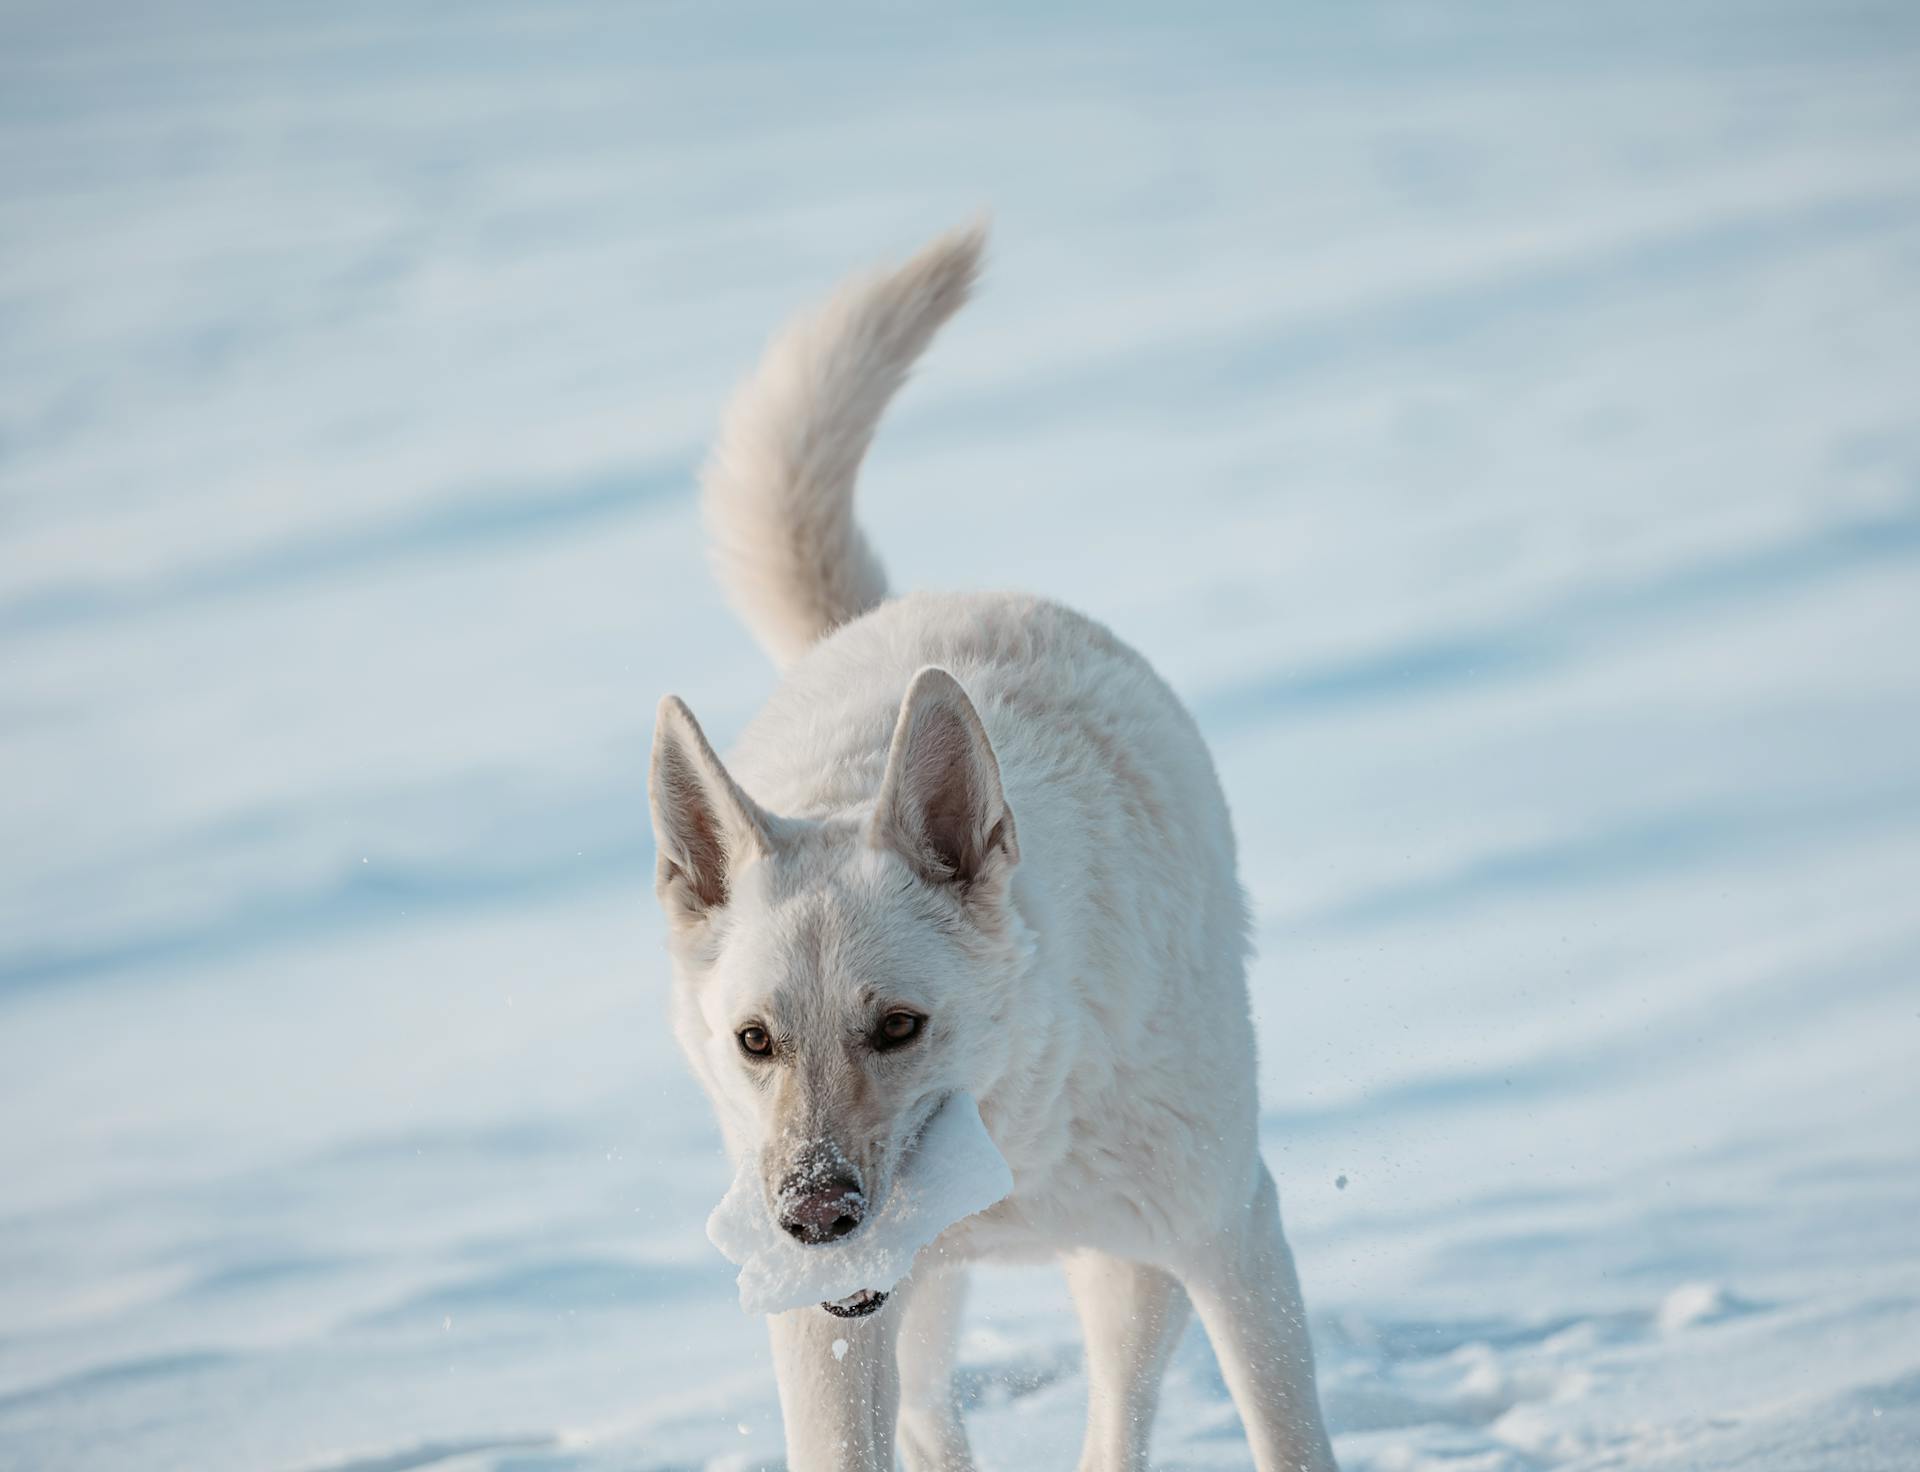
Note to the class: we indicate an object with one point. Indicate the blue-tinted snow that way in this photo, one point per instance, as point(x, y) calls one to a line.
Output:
point(1502, 425)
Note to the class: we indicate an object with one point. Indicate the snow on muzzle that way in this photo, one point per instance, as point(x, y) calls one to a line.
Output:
point(953, 1171)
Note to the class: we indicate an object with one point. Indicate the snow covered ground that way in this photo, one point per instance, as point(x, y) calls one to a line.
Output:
point(1528, 398)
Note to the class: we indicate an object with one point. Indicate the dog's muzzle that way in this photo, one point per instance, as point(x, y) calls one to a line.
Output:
point(856, 1305)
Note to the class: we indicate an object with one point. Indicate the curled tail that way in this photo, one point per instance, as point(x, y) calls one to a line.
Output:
point(778, 488)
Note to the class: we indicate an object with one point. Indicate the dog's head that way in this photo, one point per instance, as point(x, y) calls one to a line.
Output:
point(837, 978)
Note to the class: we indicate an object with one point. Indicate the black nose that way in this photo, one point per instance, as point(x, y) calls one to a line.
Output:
point(815, 1212)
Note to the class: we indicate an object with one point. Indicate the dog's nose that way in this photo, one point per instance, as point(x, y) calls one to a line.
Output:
point(815, 1213)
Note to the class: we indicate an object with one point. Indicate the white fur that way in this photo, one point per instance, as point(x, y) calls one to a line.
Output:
point(778, 486)
point(987, 811)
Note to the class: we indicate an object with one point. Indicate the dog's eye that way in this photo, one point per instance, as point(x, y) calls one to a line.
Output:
point(755, 1040)
point(897, 1028)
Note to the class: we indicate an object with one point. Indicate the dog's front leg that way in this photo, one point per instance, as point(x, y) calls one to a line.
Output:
point(839, 1388)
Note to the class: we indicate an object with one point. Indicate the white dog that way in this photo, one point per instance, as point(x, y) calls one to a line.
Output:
point(973, 843)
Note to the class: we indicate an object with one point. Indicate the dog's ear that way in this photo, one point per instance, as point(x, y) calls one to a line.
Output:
point(704, 826)
point(940, 805)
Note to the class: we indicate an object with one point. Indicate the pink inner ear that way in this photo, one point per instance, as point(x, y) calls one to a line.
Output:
point(947, 812)
point(705, 823)
point(694, 827)
point(943, 784)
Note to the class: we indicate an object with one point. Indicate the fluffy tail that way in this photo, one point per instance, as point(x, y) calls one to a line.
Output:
point(778, 489)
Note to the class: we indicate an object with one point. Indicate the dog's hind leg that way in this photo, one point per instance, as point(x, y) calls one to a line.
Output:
point(1243, 1283)
point(932, 1437)
point(1131, 1316)
point(839, 1388)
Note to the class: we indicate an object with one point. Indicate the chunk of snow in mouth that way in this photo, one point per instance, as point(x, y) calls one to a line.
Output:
point(953, 1171)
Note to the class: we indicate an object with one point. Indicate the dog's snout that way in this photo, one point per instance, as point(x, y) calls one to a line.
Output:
point(815, 1211)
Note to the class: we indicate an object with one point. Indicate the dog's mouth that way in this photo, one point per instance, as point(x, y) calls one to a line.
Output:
point(856, 1305)
point(869, 1300)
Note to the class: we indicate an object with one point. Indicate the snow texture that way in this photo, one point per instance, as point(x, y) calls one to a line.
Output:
point(953, 1172)
point(1498, 422)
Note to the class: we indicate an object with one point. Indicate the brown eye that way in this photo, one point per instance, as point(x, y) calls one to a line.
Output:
point(897, 1028)
point(754, 1040)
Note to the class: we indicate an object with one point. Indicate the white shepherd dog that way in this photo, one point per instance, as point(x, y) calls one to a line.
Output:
point(973, 843)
